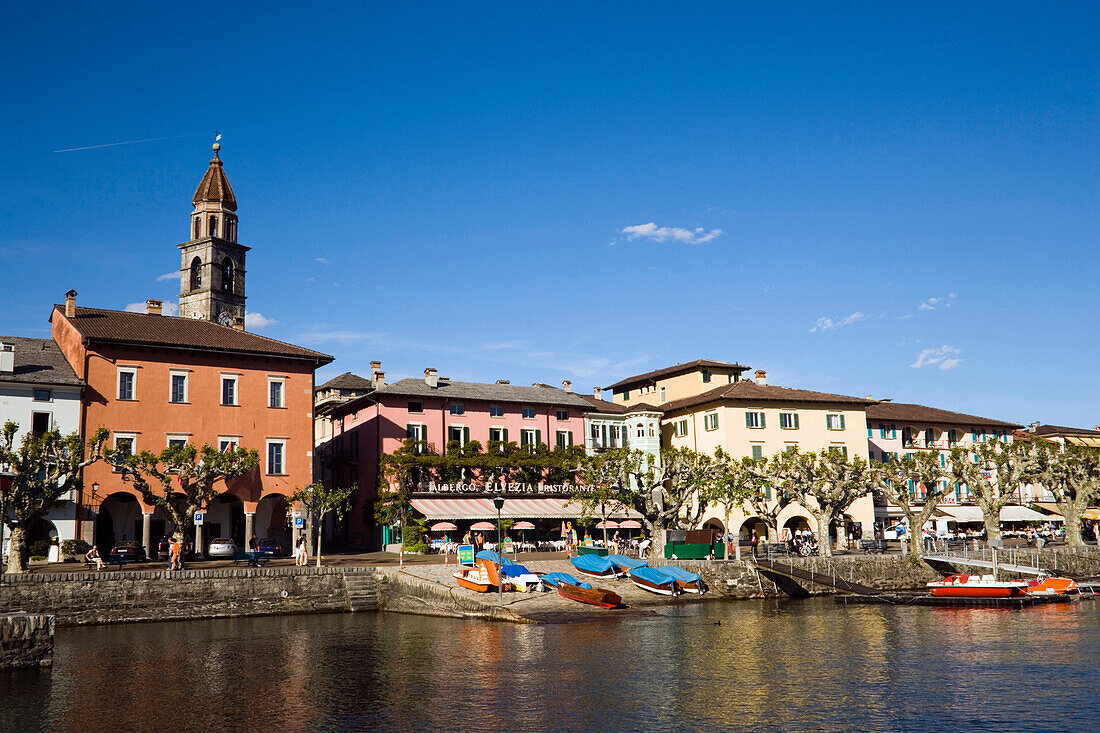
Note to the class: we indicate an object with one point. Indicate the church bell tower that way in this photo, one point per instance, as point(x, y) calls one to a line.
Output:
point(212, 262)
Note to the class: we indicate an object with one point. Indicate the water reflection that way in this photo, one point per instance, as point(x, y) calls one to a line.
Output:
point(775, 665)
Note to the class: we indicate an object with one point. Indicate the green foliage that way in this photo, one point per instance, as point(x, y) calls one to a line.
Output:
point(43, 469)
point(40, 548)
point(182, 479)
point(76, 548)
point(414, 536)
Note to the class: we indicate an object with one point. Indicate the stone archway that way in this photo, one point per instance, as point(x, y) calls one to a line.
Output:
point(272, 520)
point(119, 518)
point(753, 523)
point(794, 524)
point(224, 518)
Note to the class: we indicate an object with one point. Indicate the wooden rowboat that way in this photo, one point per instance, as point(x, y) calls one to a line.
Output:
point(595, 596)
point(654, 581)
point(475, 579)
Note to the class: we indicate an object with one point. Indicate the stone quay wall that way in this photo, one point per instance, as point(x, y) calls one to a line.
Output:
point(81, 598)
point(26, 640)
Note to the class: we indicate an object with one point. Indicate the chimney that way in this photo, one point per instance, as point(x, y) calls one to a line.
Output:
point(70, 304)
point(375, 366)
point(596, 393)
point(567, 385)
point(378, 379)
point(7, 358)
point(152, 306)
point(1033, 427)
point(431, 377)
point(238, 323)
point(761, 376)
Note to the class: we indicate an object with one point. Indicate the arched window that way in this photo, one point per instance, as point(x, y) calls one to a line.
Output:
point(197, 227)
point(231, 230)
point(196, 273)
point(227, 274)
point(213, 226)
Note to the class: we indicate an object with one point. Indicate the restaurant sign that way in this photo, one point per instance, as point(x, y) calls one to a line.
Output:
point(466, 554)
point(504, 489)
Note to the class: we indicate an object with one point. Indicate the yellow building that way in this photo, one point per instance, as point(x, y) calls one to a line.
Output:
point(707, 404)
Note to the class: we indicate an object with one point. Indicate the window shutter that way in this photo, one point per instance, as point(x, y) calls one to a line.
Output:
point(842, 421)
point(762, 420)
point(505, 435)
point(465, 436)
point(538, 438)
point(748, 419)
point(796, 421)
point(569, 440)
point(409, 431)
point(893, 431)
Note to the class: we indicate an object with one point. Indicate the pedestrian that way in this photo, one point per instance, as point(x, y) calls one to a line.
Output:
point(754, 540)
point(300, 551)
point(643, 548)
point(174, 554)
point(253, 543)
point(93, 556)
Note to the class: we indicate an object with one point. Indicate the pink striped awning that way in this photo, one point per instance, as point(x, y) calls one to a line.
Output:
point(482, 508)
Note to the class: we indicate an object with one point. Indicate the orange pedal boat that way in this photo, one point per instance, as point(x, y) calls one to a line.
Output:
point(967, 586)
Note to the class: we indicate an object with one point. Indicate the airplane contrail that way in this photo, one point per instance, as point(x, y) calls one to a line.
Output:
point(126, 142)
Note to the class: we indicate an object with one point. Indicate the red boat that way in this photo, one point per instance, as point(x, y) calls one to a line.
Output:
point(1052, 587)
point(966, 586)
point(595, 596)
point(475, 579)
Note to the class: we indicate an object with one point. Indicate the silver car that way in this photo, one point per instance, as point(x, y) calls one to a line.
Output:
point(222, 547)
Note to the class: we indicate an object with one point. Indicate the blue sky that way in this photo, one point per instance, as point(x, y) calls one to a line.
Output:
point(899, 201)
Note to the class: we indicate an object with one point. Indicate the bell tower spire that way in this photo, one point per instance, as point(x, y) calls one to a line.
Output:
point(212, 261)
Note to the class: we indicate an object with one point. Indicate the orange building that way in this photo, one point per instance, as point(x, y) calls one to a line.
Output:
point(155, 380)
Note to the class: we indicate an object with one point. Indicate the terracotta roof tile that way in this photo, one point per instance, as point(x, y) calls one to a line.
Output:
point(1043, 430)
point(109, 326)
point(749, 391)
point(905, 412)
point(677, 369)
point(512, 393)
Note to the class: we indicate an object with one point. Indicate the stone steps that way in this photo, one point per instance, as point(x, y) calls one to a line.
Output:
point(361, 590)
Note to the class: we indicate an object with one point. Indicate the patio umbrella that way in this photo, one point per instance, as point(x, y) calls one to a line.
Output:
point(523, 525)
point(609, 524)
point(444, 527)
point(630, 524)
point(483, 526)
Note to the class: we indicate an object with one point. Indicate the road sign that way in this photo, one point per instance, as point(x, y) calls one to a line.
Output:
point(299, 522)
point(198, 518)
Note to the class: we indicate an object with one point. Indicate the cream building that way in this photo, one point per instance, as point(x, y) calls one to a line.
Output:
point(707, 404)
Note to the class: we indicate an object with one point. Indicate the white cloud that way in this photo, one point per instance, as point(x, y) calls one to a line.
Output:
point(167, 308)
point(169, 276)
point(321, 261)
point(257, 321)
point(943, 356)
point(654, 233)
point(827, 324)
point(930, 305)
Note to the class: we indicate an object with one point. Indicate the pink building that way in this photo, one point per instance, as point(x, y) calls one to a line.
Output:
point(440, 413)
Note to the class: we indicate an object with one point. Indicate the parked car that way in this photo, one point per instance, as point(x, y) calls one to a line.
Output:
point(222, 547)
point(125, 552)
point(271, 546)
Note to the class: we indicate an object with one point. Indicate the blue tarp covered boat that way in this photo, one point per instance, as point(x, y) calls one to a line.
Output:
point(595, 566)
point(625, 564)
point(554, 579)
point(654, 581)
point(494, 558)
point(687, 580)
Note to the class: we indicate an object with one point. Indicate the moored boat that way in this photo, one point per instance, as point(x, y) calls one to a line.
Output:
point(967, 586)
point(594, 596)
point(654, 581)
point(625, 564)
point(595, 566)
point(518, 577)
point(1053, 586)
point(688, 581)
point(475, 579)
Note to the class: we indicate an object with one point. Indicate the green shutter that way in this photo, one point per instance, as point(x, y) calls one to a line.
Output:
point(465, 436)
point(796, 421)
point(538, 437)
point(505, 435)
point(762, 420)
point(409, 431)
point(842, 422)
point(748, 419)
point(569, 440)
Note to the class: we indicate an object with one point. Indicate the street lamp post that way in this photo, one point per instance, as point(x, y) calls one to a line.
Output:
point(498, 502)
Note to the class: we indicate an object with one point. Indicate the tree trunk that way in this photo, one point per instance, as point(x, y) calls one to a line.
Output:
point(992, 524)
point(824, 547)
point(657, 549)
point(320, 528)
point(1072, 526)
point(18, 552)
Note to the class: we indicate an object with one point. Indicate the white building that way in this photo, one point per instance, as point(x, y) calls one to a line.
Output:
point(40, 392)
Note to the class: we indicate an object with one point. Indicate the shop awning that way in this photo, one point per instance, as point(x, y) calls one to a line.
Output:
point(1092, 513)
point(482, 508)
point(1049, 507)
point(1011, 513)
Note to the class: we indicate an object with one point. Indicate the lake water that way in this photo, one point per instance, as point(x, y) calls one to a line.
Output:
point(762, 666)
